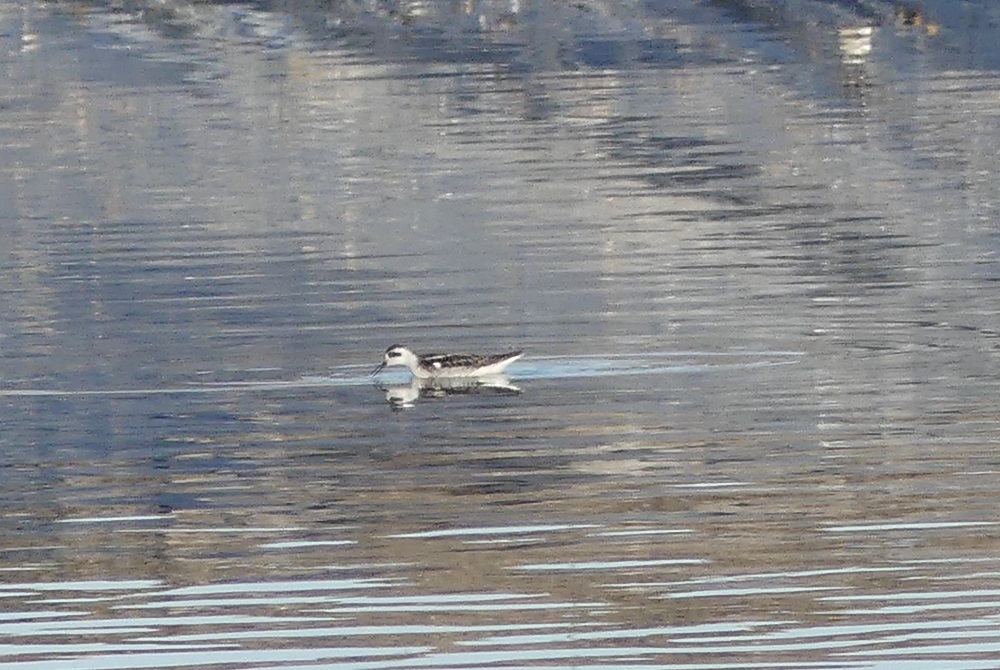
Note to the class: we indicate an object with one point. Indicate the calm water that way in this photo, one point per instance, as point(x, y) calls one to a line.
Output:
point(752, 250)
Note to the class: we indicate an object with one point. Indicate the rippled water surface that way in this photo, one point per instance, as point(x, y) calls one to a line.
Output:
point(750, 249)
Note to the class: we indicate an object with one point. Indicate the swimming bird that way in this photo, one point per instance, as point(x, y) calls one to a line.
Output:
point(434, 366)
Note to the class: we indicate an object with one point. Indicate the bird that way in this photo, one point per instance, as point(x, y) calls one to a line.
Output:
point(438, 366)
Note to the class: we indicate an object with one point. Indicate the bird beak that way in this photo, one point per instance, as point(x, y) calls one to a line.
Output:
point(378, 369)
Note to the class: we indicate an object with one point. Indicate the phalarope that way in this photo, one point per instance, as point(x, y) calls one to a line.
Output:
point(433, 366)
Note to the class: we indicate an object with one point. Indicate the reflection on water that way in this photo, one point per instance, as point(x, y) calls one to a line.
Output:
point(749, 248)
point(591, 613)
point(406, 395)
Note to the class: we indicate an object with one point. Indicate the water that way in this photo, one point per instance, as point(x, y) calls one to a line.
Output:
point(751, 251)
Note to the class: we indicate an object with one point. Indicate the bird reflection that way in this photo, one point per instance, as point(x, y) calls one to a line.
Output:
point(407, 395)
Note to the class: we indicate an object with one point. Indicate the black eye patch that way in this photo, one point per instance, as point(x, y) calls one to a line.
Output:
point(393, 354)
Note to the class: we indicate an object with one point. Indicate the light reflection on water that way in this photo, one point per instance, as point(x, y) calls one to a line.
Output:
point(750, 252)
point(230, 623)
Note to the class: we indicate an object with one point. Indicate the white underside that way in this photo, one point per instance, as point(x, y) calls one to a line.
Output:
point(485, 371)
